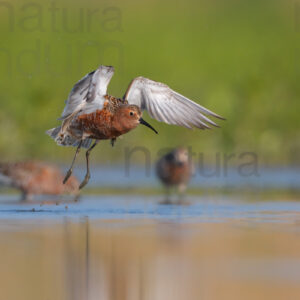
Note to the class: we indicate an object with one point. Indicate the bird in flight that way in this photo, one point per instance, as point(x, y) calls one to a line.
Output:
point(91, 114)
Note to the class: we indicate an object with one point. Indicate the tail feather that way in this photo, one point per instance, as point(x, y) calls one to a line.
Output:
point(65, 139)
point(53, 132)
point(5, 180)
point(3, 167)
point(4, 177)
point(85, 144)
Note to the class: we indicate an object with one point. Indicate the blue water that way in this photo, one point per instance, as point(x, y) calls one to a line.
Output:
point(139, 176)
point(205, 209)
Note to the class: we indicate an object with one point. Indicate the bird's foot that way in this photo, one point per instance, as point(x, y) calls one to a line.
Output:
point(76, 198)
point(166, 201)
point(85, 181)
point(69, 173)
point(27, 198)
point(183, 201)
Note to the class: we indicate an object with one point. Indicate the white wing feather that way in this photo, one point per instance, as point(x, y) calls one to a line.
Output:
point(166, 105)
point(87, 94)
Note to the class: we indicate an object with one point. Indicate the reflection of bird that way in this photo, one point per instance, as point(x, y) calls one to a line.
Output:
point(36, 178)
point(92, 114)
point(174, 170)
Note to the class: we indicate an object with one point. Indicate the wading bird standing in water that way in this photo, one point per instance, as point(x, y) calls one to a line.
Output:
point(175, 169)
point(91, 114)
point(37, 178)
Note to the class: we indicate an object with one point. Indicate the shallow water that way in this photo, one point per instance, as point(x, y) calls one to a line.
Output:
point(208, 177)
point(198, 209)
point(132, 247)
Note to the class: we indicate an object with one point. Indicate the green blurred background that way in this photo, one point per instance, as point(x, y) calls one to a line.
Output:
point(240, 59)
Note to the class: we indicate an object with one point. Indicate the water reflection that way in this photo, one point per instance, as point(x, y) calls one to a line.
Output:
point(77, 258)
point(85, 257)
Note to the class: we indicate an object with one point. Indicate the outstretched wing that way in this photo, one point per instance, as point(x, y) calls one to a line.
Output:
point(166, 105)
point(88, 90)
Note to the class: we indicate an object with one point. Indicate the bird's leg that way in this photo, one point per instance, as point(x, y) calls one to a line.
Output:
point(181, 194)
point(167, 199)
point(69, 173)
point(76, 197)
point(87, 175)
point(26, 197)
point(168, 195)
point(112, 141)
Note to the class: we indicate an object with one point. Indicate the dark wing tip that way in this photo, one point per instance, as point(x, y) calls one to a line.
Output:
point(219, 117)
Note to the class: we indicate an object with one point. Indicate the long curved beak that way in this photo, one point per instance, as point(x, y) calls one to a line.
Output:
point(142, 121)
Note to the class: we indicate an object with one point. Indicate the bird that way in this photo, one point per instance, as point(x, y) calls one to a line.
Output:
point(37, 178)
point(174, 169)
point(91, 115)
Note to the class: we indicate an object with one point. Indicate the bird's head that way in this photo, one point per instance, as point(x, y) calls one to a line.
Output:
point(129, 117)
point(181, 156)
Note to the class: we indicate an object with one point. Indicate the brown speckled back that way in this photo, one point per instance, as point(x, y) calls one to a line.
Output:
point(38, 178)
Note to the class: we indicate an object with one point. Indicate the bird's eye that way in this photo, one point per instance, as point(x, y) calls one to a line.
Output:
point(131, 113)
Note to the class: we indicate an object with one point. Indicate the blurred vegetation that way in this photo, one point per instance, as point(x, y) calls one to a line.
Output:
point(237, 58)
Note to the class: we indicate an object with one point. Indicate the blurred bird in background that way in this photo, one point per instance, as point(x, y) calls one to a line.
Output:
point(174, 170)
point(37, 178)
